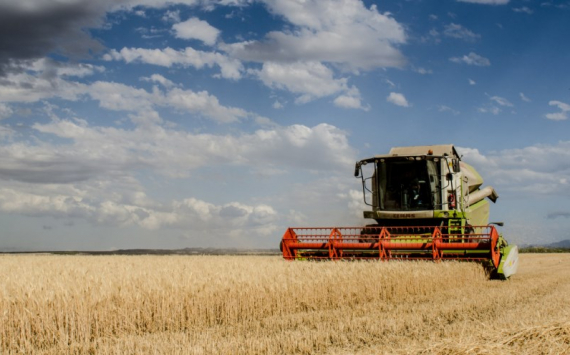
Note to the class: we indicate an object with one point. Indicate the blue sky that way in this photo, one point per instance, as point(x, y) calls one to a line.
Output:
point(202, 123)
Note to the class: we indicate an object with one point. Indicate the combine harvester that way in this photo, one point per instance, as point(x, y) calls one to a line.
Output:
point(427, 204)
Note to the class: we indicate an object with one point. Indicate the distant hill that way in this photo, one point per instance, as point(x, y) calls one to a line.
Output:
point(562, 246)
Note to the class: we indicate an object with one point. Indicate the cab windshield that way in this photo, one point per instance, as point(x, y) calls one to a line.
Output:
point(406, 185)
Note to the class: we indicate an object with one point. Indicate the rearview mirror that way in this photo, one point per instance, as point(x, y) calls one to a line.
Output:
point(456, 167)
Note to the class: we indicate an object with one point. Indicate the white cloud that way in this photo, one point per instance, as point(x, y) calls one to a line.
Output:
point(338, 31)
point(423, 71)
point(351, 99)
point(88, 203)
point(26, 87)
point(120, 97)
point(91, 175)
point(523, 9)
point(472, 82)
point(171, 16)
point(348, 101)
point(397, 99)
point(5, 111)
point(457, 31)
point(523, 97)
point(203, 103)
point(52, 68)
point(443, 108)
point(559, 116)
point(472, 59)
point(194, 28)
point(168, 57)
point(310, 80)
point(489, 109)
point(494, 106)
point(487, 2)
point(537, 170)
point(157, 78)
point(501, 101)
point(332, 200)
point(103, 152)
point(32, 87)
point(433, 35)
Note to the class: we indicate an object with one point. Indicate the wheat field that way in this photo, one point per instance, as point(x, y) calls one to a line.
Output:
point(265, 305)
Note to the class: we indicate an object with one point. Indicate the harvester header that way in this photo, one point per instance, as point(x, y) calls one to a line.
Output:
point(426, 204)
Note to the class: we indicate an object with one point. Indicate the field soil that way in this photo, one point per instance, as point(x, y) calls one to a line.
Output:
point(53, 304)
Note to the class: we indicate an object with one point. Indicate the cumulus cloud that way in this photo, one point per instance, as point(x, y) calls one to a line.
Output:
point(88, 172)
point(157, 78)
point(338, 31)
point(52, 69)
point(120, 97)
point(310, 80)
point(40, 83)
point(350, 101)
point(5, 111)
point(89, 203)
point(397, 99)
point(203, 103)
point(472, 59)
point(327, 36)
point(538, 170)
point(194, 28)
point(188, 57)
point(332, 200)
point(33, 29)
point(32, 85)
point(171, 16)
point(105, 151)
point(559, 116)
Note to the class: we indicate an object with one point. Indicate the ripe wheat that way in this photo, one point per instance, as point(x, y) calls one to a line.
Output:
point(263, 304)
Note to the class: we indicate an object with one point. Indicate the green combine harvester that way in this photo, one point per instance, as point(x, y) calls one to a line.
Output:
point(427, 204)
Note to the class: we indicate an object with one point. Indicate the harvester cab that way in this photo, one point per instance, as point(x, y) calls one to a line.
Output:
point(426, 203)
